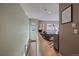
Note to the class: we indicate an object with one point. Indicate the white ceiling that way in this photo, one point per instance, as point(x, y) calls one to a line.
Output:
point(42, 11)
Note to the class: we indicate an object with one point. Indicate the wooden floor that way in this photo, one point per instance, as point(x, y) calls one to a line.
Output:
point(45, 48)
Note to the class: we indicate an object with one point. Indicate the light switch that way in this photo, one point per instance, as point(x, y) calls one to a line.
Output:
point(75, 31)
point(73, 25)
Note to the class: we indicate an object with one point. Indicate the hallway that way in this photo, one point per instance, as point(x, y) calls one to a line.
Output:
point(20, 25)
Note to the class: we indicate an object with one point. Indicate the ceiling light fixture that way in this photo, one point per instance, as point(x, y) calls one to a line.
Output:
point(46, 10)
point(49, 12)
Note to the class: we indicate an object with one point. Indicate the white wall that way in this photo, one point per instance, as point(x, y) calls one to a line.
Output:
point(34, 36)
point(14, 29)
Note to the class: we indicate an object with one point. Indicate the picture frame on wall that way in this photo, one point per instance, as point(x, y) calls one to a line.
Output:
point(33, 26)
point(67, 14)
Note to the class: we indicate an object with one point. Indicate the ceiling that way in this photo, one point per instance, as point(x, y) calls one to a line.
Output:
point(42, 11)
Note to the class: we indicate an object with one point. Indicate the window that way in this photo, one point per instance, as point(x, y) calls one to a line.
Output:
point(52, 29)
point(49, 27)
